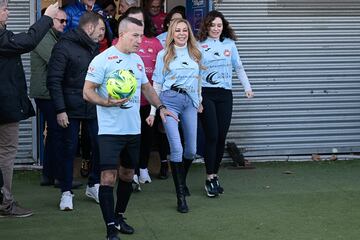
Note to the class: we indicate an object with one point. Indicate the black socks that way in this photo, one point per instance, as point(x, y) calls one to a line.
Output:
point(106, 199)
point(123, 192)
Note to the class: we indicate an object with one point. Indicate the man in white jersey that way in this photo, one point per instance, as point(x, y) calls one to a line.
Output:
point(119, 122)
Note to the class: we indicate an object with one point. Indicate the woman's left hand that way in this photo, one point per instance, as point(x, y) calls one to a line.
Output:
point(200, 108)
point(249, 94)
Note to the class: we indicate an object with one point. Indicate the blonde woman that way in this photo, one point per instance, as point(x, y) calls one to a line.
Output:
point(177, 79)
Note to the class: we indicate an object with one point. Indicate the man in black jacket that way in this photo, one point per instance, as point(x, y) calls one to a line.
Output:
point(14, 102)
point(68, 66)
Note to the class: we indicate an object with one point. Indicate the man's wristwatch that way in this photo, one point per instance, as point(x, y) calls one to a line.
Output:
point(162, 106)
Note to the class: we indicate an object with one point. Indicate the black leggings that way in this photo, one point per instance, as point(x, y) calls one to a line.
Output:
point(215, 120)
point(147, 138)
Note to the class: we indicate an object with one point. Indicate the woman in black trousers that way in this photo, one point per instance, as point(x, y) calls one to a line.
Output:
point(220, 57)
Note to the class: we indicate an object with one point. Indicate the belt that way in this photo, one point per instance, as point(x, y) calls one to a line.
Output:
point(179, 90)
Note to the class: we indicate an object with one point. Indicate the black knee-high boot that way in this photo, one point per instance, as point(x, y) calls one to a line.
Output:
point(187, 163)
point(177, 170)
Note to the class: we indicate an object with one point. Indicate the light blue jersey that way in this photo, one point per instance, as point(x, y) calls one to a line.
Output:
point(220, 58)
point(123, 120)
point(162, 38)
point(184, 73)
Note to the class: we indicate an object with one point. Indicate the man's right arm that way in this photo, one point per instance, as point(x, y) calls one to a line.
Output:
point(90, 95)
point(12, 44)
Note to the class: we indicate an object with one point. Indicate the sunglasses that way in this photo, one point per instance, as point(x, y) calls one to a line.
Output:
point(61, 20)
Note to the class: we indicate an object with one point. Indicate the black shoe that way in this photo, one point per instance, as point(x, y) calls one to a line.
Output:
point(210, 188)
point(112, 237)
point(46, 181)
point(122, 226)
point(220, 189)
point(75, 184)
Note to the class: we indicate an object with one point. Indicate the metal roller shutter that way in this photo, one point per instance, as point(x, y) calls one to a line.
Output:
point(303, 60)
point(19, 21)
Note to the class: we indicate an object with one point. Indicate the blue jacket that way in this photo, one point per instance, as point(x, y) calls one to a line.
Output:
point(74, 12)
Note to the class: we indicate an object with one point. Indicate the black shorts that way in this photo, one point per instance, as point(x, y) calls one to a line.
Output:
point(113, 146)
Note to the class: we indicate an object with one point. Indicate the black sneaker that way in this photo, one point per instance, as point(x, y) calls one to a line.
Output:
point(217, 183)
point(122, 226)
point(210, 188)
point(112, 237)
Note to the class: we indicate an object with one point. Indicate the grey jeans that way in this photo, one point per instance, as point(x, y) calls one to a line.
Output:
point(9, 139)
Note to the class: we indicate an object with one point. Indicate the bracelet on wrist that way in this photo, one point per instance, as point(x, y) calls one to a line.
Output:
point(162, 106)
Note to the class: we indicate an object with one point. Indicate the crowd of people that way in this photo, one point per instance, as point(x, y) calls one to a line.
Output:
point(181, 77)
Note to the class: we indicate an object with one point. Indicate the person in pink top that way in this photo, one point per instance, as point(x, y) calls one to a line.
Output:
point(148, 50)
point(154, 7)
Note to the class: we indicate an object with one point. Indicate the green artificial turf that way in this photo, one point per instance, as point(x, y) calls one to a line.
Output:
point(277, 200)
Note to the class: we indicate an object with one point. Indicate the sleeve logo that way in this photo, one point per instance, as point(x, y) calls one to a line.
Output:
point(140, 67)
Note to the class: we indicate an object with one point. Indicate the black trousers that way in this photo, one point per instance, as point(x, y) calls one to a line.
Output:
point(215, 120)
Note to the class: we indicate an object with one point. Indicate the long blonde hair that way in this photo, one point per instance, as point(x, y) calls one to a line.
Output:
point(193, 50)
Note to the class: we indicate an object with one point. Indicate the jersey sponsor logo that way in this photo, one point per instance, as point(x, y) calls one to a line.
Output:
point(113, 57)
point(209, 78)
point(125, 106)
point(227, 53)
point(185, 64)
point(140, 67)
point(150, 50)
point(207, 49)
point(204, 46)
point(119, 61)
point(217, 54)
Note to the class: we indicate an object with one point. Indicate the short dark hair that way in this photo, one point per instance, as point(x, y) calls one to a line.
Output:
point(149, 28)
point(105, 3)
point(126, 20)
point(178, 9)
point(89, 17)
point(227, 31)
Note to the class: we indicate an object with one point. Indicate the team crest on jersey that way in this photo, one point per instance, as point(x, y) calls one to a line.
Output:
point(91, 69)
point(113, 57)
point(227, 52)
point(150, 50)
point(140, 67)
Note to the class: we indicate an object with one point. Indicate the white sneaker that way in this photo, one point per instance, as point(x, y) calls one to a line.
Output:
point(136, 184)
point(144, 176)
point(66, 202)
point(93, 192)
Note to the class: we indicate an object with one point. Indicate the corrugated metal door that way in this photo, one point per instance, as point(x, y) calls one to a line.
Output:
point(19, 21)
point(303, 60)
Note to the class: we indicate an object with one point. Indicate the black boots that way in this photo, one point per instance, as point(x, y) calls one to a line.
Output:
point(187, 163)
point(177, 169)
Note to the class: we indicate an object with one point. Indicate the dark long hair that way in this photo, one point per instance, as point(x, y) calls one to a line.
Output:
point(227, 31)
point(149, 29)
point(178, 9)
